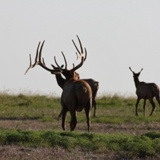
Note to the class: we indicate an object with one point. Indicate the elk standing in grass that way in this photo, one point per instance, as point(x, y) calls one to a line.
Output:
point(76, 95)
point(93, 84)
point(145, 91)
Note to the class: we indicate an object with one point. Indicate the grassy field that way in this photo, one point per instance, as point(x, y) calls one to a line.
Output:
point(29, 129)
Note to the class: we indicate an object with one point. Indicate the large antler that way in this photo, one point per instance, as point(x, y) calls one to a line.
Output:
point(39, 60)
point(82, 55)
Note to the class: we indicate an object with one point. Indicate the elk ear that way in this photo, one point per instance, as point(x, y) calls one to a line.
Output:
point(131, 69)
point(141, 70)
point(71, 74)
point(54, 67)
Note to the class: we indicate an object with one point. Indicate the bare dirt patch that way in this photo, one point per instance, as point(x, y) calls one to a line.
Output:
point(129, 128)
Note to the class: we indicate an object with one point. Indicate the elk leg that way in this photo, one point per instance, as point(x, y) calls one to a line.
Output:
point(87, 111)
point(153, 106)
point(158, 99)
point(94, 106)
point(73, 122)
point(138, 99)
point(63, 112)
point(144, 107)
point(59, 115)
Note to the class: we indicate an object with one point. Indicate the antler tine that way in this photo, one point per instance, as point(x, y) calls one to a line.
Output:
point(40, 61)
point(64, 60)
point(30, 66)
point(85, 54)
point(43, 61)
point(77, 55)
point(37, 52)
point(76, 47)
point(40, 52)
point(79, 65)
point(81, 53)
point(82, 48)
point(73, 65)
point(80, 44)
point(56, 62)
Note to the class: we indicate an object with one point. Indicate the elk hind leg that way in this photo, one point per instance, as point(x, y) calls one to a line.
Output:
point(153, 106)
point(73, 122)
point(158, 98)
point(94, 106)
point(59, 115)
point(87, 112)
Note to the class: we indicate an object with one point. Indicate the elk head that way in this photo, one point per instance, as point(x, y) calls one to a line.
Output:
point(40, 61)
point(136, 76)
point(71, 73)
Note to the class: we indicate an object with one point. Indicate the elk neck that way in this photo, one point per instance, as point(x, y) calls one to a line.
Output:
point(60, 80)
point(136, 81)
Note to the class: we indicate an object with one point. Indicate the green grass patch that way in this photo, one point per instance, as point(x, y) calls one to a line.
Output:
point(141, 146)
point(110, 109)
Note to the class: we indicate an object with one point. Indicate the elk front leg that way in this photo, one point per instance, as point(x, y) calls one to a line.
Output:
point(144, 107)
point(138, 99)
point(153, 106)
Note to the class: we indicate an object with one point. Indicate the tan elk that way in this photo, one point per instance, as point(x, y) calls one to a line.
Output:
point(145, 91)
point(77, 94)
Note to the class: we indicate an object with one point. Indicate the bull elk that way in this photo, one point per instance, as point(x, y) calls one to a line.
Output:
point(77, 94)
point(145, 91)
point(93, 84)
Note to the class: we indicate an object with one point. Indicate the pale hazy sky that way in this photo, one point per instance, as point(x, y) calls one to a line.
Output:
point(116, 33)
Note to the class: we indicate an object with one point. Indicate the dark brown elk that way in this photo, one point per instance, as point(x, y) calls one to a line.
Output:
point(77, 94)
point(94, 87)
point(93, 84)
point(145, 91)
